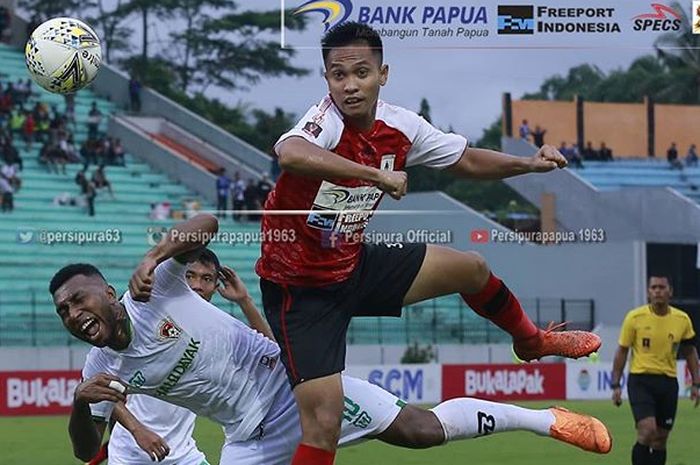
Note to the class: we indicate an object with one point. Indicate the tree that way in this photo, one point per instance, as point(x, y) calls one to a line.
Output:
point(232, 50)
point(115, 36)
point(680, 52)
point(52, 8)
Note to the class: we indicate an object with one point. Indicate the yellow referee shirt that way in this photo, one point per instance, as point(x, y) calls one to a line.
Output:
point(655, 339)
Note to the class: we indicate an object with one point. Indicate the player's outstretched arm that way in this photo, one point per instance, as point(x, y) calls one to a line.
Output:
point(234, 290)
point(618, 365)
point(478, 163)
point(182, 242)
point(691, 356)
point(299, 156)
point(150, 442)
point(85, 432)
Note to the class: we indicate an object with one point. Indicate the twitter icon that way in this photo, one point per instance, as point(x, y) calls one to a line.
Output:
point(25, 235)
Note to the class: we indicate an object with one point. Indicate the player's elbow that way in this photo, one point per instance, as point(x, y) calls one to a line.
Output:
point(288, 154)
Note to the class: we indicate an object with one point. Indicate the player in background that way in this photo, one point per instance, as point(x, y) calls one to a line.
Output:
point(337, 163)
point(164, 431)
point(655, 332)
point(176, 346)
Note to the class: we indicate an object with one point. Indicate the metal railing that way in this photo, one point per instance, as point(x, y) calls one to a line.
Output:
point(27, 318)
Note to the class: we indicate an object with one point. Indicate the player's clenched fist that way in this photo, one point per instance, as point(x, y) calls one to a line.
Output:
point(394, 183)
point(99, 388)
point(141, 282)
point(546, 159)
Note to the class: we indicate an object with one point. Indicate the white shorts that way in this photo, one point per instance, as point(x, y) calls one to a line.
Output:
point(369, 410)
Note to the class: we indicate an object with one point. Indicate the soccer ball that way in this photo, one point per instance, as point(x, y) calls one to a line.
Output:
point(63, 55)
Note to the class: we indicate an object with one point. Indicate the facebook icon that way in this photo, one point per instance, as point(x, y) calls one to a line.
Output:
point(516, 19)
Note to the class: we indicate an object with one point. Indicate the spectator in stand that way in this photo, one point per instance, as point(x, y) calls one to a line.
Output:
point(9, 153)
point(67, 147)
point(672, 157)
point(7, 193)
point(264, 188)
point(16, 122)
point(69, 100)
point(118, 153)
point(82, 181)
point(589, 153)
point(691, 158)
point(524, 130)
point(252, 201)
point(99, 178)
point(538, 136)
point(5, 21)
point(605, 153)
point(28, 129)
point(87, 153)
point(238, 197)
point(223, 186)
point(5, 104)
point(135, 94)
point(94, 120)
point(576, 156)
point(42, 120)
point(565, 150)
point(9, 173)
point(90, 194)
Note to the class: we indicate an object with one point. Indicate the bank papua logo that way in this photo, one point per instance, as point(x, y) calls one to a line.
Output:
point(662, 18)
point(333, 11)
point(516, 19)
point(584, 380)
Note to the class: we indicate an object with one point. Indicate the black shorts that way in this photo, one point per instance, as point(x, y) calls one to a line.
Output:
point(310, 323)
point(653, 396)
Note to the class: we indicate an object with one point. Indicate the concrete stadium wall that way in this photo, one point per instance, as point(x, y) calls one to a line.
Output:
point(622, 126)
point(676, 123)
point(137, 141)
point(558, 118)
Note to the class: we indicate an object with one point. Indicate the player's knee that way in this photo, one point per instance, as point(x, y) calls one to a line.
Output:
point(646, 434)
point(322, 424)
point(478, 271)
point(422, 429)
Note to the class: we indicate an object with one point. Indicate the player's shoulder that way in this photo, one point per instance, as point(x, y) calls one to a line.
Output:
point(398, 117)
point(679, 314)
point(324, 111)
point(96, 361)
point(637, 312)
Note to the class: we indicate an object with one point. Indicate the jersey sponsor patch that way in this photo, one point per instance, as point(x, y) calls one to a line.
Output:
point(137, 380)
point(343, 209)
point(167, 329)
point(313, 129)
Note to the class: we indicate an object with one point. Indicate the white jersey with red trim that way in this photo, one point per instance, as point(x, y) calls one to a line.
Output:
point(327, 239)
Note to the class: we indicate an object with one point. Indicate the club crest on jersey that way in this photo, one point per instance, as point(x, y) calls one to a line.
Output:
point(167, 329)
point(387, 163)
point(313, 129)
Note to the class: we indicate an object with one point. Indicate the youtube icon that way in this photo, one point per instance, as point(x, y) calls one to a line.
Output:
point(480, 236)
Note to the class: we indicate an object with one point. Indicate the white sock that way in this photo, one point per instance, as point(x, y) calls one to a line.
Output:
point(466, 418)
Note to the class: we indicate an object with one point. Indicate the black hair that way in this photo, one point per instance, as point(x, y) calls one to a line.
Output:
point(207, 257)
point(74, 269)
point(662, 276)
point(349, 33)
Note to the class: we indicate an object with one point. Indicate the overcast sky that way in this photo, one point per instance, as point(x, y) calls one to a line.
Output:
point(464, 86)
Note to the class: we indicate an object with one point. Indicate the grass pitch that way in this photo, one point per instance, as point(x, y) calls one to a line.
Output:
point(44, 441)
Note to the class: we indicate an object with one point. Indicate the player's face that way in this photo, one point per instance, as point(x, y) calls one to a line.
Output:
point(354, 74)
point(85, 306)
point(202, 279)
point(659, 291)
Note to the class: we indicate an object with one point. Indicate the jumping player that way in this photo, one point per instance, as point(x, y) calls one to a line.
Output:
point(173, 345)
point(337, 163)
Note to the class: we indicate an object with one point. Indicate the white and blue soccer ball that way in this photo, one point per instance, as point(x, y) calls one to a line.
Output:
point(63, 55)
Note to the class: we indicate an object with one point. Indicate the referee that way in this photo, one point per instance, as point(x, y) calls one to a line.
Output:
point(655, 332)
